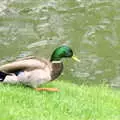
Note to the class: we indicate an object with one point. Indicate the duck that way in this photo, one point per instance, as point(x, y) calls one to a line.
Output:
point(33, 71)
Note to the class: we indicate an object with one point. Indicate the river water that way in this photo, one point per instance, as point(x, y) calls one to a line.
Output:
point(90, 27)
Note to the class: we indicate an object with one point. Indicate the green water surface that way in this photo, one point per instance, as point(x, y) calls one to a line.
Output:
point(90, 27)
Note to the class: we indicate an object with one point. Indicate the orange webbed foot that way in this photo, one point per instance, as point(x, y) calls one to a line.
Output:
point(47, 89)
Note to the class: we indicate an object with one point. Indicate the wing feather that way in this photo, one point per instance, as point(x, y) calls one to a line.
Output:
point(24, 64)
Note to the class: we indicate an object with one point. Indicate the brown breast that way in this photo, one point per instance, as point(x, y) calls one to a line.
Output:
point(56, 70)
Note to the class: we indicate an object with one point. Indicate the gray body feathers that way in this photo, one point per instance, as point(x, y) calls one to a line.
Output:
point(31, 71)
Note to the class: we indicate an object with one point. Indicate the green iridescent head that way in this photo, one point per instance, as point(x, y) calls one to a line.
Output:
point(62, 52)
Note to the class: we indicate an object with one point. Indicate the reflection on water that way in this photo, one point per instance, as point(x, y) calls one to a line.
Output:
point(91, 28)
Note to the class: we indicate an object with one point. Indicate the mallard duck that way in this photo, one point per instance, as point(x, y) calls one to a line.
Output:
point(33, 71)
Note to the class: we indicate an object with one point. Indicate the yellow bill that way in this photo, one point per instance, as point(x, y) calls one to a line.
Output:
point(75, 58)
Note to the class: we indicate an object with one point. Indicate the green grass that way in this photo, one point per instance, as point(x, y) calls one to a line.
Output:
point(73, 102)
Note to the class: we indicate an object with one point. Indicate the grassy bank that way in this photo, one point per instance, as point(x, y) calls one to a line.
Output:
point(71, 103)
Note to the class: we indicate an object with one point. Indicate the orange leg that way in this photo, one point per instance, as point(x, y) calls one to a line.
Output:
point(47, 89)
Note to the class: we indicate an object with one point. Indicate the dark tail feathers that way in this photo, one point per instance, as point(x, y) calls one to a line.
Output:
point(2, 76)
